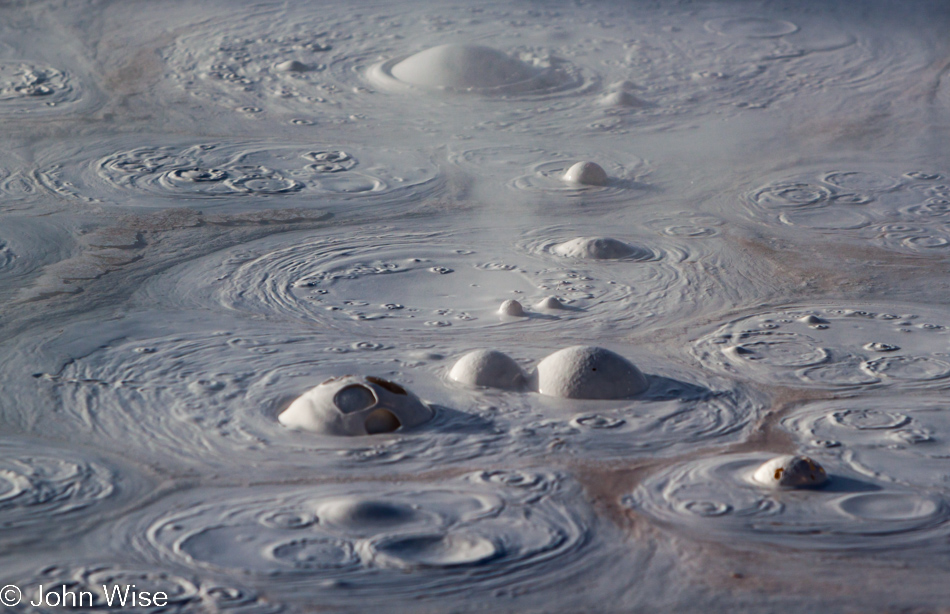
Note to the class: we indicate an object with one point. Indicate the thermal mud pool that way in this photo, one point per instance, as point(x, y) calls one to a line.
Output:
point(424, 307)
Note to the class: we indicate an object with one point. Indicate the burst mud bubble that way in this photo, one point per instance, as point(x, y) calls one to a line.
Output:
point(720, 498)
point(790, 471)
point(352, 405)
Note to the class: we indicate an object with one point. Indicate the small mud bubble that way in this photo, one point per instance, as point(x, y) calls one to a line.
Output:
point(550, 303)
point(790, 471)
point(622, 99)
point(922, 176)
point(488, 368)
point(513, 308)
point(881, 347)
point(596, 421)
point(599, 248)
point(586, 173)
point(291, 66)
point(589, 372)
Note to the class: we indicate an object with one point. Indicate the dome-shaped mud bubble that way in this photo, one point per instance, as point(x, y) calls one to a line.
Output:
point(488, 368)
point(586, 173)
point(600, 248)
point(474, 69)
point(790, 471)
point(462, 67)
point(353, 405)
point(512, 308)
point(550, 303)
point(589, 372)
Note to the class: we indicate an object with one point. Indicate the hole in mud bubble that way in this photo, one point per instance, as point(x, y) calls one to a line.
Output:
point(390, 386)
point(381, 421)
point(354, 398)
point(354, 406)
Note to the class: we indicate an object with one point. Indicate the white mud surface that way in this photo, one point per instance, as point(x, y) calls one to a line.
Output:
point(291, 296)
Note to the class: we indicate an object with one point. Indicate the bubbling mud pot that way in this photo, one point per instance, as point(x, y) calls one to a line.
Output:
point(435, 306)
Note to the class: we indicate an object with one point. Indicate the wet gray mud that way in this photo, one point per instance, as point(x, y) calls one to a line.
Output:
point(449, 307)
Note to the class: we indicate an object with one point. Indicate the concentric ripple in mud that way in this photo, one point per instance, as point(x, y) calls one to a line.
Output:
point(902, 210)
point(484, 532)
point(883, 437)
point(396, 283)
point(25, 246)
point(227, 170)
point(675, 415)
point(680, 409)
point(221, 389)
point(834, 347)
point(47, 492)
point(716, 498)
point(31, 87)
point(350, 67)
